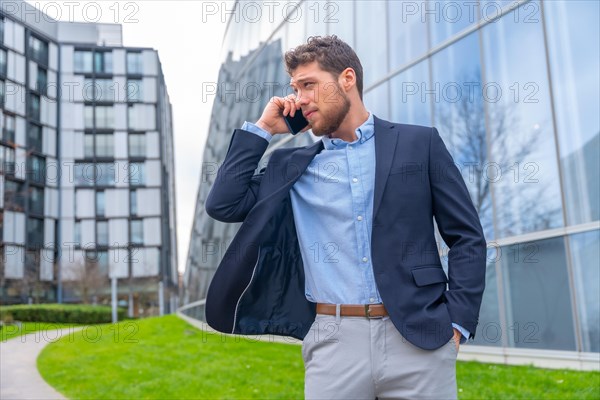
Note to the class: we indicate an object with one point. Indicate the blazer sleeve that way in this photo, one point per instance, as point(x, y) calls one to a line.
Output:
point(459, 226)
point(235, 189)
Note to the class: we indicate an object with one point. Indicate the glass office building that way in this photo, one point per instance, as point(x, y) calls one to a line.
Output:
point(513, 88)
point(87, 187)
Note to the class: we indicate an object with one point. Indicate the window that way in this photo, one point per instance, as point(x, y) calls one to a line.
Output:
point(137, 174)
point(105, 117)
point(461, 63)
point(84, 174)
point(42, 81)
point(8, 130)
point(36, 169)
point(1, 29)
point(35, 231)
point(38, 50)
point(100, 203)
point(104, 90)
point(490, 324)
point(134, 63)
point(574, 82)
point(539, 314)
point(32, 264)
point(83, 61)
point(7, 160)
point(133, 202)
point(105, 174)
point(104, 145)
point(14, 196)
point(134, 90)
point(102, 263)
point(36, 200)
point(2, 61)
point(585, 247)
point(373, 57)
point(2, 158)
point(99, 90)
point(136, 229)
point(102, 233)
point(103, 62)
point(89, 117)
point(34, 137)
point(407, 40)
point(34, 106)
point(88, 145)
point(2, 92)
point(141, 117)
point(522, 132)
point(77, 233)
point(413, 108)
point(137, 145)
point(97, 260)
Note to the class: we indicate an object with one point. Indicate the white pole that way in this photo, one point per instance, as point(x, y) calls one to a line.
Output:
point(161, 298)
point(113, 295)
point(130, 308)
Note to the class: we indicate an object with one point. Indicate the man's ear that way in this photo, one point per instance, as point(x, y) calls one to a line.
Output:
point(347, 79)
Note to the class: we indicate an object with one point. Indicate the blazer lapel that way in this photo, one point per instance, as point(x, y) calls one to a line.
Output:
point(385, 147)
point(294, 168)
point(299, 161)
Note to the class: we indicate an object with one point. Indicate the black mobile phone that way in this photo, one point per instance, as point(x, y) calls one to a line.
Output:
point(296, 123)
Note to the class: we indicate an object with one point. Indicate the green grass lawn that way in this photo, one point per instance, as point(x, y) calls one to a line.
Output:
point(166, 358)
point(13, 330)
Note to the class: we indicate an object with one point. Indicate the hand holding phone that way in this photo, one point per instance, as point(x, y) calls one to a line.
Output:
point(296, 123)
point(274, 120)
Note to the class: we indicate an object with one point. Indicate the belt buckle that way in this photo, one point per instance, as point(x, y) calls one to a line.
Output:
point(368, 312)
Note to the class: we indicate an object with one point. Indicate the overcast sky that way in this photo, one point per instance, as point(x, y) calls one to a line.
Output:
point(189, 50)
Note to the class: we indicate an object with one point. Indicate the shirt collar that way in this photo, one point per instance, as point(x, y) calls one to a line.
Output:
point(363, 133)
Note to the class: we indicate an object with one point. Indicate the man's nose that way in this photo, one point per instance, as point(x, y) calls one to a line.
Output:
point(302, 99)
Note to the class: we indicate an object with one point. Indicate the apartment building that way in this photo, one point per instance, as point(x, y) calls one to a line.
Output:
point(87, 192)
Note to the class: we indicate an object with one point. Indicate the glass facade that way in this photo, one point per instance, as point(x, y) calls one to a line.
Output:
point(513, 90)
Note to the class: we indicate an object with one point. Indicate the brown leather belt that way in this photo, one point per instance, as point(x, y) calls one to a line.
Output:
point(354, 310)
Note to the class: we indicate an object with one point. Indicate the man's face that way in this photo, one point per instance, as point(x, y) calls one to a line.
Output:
point(323, 102)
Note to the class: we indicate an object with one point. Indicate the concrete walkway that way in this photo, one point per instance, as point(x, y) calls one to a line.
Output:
point(19, 377)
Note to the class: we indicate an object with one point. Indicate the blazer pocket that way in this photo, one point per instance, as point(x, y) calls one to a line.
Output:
point(407, 168)
point(429, 275)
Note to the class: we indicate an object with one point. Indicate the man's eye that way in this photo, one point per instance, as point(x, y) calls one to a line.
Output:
point(307, 84)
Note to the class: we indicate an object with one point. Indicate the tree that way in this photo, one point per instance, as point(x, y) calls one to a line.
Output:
point(86, 278)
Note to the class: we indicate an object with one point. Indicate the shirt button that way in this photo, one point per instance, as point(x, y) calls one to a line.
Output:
point(359, 218)
point(365, 259)
point(372, 300)
point(350, 147)
point(354, 180)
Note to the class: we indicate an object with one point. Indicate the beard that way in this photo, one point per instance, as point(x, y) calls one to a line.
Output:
point(332, 121)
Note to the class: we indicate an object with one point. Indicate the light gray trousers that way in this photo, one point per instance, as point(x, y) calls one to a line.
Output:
point(359, 358)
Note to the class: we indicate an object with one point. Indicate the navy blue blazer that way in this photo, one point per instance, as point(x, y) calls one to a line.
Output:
point(258, 287)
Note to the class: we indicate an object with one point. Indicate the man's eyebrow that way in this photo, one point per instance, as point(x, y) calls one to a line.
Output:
point(303, 79)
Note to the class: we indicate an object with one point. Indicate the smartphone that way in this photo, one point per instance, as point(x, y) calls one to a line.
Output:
point(296, 123)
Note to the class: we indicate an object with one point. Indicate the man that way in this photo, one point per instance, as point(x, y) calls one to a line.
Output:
point(337, 244)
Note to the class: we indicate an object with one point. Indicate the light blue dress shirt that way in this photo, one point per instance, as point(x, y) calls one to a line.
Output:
point(333, 209)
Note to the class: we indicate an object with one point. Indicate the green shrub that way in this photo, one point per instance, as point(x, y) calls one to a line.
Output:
point(64, 313)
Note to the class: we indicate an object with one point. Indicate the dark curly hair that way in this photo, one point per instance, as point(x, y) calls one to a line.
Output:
point(333, 55)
